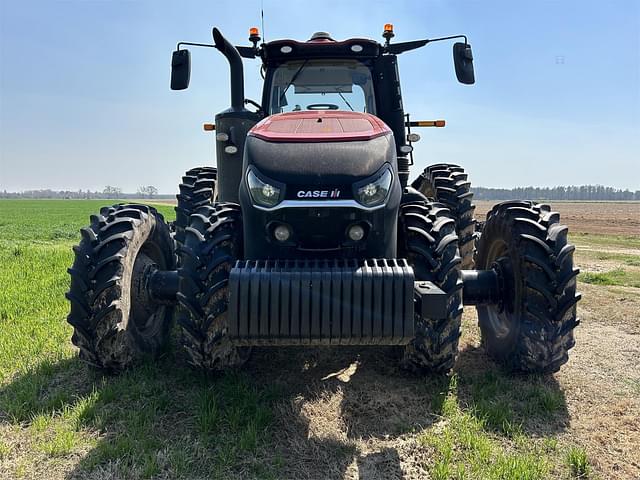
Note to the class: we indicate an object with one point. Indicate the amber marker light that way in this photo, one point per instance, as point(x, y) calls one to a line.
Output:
point(428, 123)
point(254, 36)
point(388, 33)
point(209, 127)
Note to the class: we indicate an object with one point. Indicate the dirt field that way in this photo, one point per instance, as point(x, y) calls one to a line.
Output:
point(607, 218)
point(318, 413)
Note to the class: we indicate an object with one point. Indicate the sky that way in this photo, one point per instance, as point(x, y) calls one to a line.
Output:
point(85, 99)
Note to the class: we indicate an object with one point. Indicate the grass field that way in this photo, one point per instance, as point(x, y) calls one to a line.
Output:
point(308, 413)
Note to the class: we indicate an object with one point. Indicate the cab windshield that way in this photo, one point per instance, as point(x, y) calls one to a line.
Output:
point(322, 85)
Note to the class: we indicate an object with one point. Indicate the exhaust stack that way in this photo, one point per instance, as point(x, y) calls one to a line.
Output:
point(235, 66)
point(234, 123)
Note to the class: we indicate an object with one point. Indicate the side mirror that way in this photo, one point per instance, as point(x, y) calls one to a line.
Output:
point(463, 61)
point(180, 69)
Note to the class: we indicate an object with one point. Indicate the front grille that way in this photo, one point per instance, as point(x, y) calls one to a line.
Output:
point(319, 228)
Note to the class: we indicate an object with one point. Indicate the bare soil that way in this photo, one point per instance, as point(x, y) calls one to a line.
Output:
point(605, 218)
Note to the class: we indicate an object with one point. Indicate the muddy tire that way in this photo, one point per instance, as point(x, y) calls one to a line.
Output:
point(198, 189)
point(213, 243)
point(114, 319)
point(427, 239)
point(531, 330)
point(449, 184)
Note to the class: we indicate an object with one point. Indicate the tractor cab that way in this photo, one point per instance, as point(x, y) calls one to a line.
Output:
point(320, 74)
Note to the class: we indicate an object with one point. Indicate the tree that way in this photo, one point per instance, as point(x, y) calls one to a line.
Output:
point(149, 191)
point(112, 192)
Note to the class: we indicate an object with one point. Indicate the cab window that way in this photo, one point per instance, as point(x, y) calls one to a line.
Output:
point(322, 85)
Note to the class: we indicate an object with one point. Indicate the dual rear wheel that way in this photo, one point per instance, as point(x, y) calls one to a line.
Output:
point(115, 318)
point(529, 327)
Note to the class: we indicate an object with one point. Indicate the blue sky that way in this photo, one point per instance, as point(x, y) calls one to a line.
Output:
point(85, 99)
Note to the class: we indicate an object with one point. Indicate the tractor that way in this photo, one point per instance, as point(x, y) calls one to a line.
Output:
point(309, 232)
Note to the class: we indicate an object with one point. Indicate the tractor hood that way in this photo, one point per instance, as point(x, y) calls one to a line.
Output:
point(320, 147)
point(320, 126)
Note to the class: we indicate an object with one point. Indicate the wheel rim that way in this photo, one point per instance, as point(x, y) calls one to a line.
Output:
point(144, 310)
point(502, 316)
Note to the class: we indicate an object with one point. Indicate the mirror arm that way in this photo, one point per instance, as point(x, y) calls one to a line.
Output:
point(398, 48)
point(439, 39)
point(245, 52)
point(194, 45)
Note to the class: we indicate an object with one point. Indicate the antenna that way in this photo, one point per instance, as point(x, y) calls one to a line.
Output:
point(262, 18)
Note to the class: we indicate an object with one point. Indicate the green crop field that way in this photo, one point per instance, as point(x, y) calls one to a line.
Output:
point(291, 413)
point(155, 418)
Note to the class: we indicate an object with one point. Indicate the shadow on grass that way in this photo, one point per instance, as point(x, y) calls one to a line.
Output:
point(337, 400)
point(291, 413)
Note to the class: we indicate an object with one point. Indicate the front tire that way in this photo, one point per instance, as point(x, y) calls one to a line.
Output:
point(115, 320)
point(429, 243)
point(213, 243)
point(532, 329)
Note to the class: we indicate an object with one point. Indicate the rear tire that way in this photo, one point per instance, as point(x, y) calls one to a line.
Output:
point(213, 243)
point(429, 243)
point(448, 184)
point(532, 331)
point(198, 189)
point(114, 318)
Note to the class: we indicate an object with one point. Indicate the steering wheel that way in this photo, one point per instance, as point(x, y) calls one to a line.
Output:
point(322, 106)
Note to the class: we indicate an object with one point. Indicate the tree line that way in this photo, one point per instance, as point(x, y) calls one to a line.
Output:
point(578, 193)
point(108, 192)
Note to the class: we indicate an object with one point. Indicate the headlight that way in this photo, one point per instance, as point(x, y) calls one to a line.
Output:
point(375, 193)
point(262, 193)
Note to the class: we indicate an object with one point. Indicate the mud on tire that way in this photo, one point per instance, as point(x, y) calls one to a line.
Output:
point(213, 242)
point(428, 240)
point(114, 320)
point(532, 330)
point(449, 185)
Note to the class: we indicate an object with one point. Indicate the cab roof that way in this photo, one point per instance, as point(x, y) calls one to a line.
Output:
point(320, 45)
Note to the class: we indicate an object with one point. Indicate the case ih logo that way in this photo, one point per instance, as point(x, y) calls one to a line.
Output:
point(335, 193)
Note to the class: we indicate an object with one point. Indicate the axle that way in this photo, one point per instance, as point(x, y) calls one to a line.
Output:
point(163, 285)
point(480, 287)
